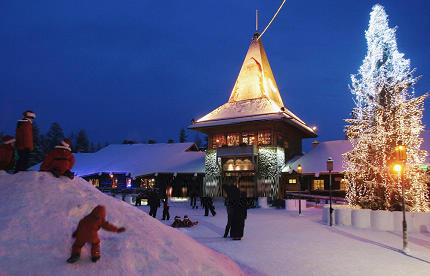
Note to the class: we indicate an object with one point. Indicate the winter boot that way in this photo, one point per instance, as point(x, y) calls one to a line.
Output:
point(95, 259)
point(73, 258)
point(69, 174)
point(56, 172)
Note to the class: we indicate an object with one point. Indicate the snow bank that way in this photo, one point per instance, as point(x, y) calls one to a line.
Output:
point(38, 214)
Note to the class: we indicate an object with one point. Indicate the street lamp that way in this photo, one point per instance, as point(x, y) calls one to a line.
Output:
point(330, 168)
point(398, 167)
point(299, 170)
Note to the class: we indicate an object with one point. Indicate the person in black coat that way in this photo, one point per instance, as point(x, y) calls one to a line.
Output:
point(194, 193)
point(208, 204)
point(166, 214)
point(226, 188)
point(239, 213)
point(154, 203)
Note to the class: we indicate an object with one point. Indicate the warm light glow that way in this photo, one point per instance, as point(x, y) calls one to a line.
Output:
point(397, 168)
point(299, 169)
point(314, 128)
point(111, 175)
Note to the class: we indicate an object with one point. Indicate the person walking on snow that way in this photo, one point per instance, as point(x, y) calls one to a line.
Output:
point(7, 153)
point(87, 233)
point(60, 160)
point(229, 209)
point(166, 207)
point(208, 204)
point(24, 140)
point(154, 203)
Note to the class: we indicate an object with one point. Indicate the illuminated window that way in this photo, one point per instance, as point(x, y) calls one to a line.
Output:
point(249, 138)
point(218, 141)
point(264, 137)
point(94, 182)
point(233, 139)
point(115, 183)
point(343, 183)
point(292, 181)
point(318, 184)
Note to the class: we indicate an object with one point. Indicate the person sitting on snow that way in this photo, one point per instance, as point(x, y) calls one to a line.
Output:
point(87, 232)
point(60, 160)
point(7, 153)
point(177, 222)
point(188, 223)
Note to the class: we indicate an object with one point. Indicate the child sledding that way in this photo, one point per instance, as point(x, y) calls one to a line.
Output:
point(186, 222)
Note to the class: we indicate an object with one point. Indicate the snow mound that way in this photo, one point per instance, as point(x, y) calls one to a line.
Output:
point(38, 214)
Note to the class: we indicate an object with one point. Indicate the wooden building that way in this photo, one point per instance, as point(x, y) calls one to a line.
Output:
point(253, 134)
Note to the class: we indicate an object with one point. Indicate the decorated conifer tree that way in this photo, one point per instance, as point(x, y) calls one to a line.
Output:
point(386, 114)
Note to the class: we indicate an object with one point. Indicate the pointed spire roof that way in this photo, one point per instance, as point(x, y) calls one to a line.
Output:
point(255, 78)
point(255, 96)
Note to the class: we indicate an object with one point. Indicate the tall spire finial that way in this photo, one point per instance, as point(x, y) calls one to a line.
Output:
point(256, 20)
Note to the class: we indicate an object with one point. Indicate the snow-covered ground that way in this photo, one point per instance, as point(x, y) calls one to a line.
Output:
point(38, 214)
point(279, 242)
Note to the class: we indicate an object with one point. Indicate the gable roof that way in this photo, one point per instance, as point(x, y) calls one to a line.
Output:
point(255, 96)
point(315, 160)
point(141, 159)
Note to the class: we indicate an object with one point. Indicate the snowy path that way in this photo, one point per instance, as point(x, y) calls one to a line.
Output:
point(278, 242)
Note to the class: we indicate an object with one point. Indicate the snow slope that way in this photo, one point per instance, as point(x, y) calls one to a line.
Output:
point(38, 214)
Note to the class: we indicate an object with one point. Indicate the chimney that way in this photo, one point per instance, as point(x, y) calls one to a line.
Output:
point(315, 144)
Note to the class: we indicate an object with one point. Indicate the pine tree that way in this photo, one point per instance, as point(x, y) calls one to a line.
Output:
point(197, 140)
point(182, 136)
point(82, 143)
point(53, 137)
point(386, 114)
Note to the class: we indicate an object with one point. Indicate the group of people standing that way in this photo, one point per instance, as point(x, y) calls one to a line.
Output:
point(59, 161)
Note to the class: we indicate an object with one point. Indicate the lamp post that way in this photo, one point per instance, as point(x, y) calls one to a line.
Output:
point(330, 168)
point(299, 170)
point(398, 167)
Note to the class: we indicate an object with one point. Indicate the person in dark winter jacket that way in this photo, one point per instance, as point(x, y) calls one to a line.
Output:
point(24, 140)
point(60, 160)
point(208, 205)
point(194, 193)
point(226, 188)
point(166, 207)
point(239, 213)
point(7, 153)
point(154, 203)
point(87, 233)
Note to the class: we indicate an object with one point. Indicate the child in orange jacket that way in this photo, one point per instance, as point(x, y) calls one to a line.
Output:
point(87, 232)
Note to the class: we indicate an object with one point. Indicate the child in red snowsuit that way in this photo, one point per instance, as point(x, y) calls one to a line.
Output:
point(7, 153)
point(87, 232)
point(60, 160)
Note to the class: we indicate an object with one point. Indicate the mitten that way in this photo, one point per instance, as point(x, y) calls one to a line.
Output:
point(120, 230)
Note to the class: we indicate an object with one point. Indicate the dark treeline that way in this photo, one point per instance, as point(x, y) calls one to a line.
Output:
point(43, 143)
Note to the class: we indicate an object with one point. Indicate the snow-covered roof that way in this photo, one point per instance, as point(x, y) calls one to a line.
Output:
point(255, 96)
point(141, 159)
point(315, 160)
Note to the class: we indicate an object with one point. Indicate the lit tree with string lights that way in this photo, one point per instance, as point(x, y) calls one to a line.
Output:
point(386, 114)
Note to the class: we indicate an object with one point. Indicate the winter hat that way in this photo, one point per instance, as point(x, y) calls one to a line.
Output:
point(66, 143)
point(177, 217)
point(29, 114)
point(185, 217)
point(8, 139)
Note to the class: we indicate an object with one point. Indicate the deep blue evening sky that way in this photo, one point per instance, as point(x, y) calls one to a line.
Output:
point(143, 69)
